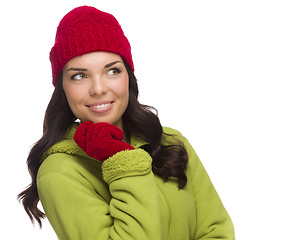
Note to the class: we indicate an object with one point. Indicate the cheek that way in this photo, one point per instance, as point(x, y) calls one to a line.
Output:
point(71, 96)
point(122, 90)
point(74, 97)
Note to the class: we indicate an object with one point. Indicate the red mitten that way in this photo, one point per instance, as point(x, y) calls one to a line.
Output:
point(100, 140)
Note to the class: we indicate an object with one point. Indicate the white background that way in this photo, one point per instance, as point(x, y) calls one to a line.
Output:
point(211, 68)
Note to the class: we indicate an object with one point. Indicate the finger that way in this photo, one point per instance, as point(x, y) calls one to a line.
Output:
point(110, 131)
point(80, 134)
point(116, 133)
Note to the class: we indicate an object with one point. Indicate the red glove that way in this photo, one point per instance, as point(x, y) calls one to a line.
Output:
point(100, 140)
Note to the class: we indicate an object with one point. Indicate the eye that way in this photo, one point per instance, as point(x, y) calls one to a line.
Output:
point(78, 76)
point(114, 71)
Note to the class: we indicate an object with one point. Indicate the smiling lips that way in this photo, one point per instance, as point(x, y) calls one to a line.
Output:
point(101, 107)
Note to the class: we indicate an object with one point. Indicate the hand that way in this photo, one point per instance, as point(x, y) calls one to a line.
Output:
point(100, 140)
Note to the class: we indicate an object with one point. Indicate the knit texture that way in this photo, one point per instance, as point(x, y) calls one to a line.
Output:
point(86, 29)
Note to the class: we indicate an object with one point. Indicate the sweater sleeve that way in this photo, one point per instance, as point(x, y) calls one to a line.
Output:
point(213, 221)
point(135, 206)
point(78, 211)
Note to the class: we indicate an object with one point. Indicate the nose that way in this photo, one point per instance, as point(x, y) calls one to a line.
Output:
point(98, 86)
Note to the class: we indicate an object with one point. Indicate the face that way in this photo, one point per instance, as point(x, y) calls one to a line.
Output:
point(97, 87)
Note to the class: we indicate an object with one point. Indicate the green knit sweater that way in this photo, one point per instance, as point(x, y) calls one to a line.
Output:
point(121, 198)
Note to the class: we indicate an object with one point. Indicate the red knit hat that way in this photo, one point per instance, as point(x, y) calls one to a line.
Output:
point(86, 29)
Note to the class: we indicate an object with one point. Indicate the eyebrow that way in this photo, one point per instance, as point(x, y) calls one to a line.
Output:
point(85, 69)
point(111, 64)
point(77, 69)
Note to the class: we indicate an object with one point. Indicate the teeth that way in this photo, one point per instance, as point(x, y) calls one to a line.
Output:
point(102, 105)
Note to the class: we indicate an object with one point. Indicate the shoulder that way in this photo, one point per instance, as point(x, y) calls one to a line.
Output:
point(57, 163)
point(171, 134)
point(74, 167)
point(174, 136)
point(174, 133)
point(169, 130)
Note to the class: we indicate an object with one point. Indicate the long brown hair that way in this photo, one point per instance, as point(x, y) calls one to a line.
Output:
point(169, 160)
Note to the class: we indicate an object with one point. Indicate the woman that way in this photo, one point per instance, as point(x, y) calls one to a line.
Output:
point(105, 168)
